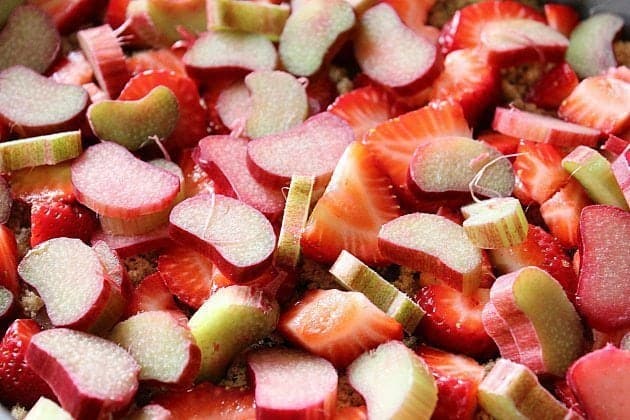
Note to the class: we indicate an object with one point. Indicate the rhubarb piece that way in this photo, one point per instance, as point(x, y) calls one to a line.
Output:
point(234, 105)
point(590, 50)
point(382, 47)
point(224, 159)
point(231, 309)
point(236, 237)
point(621, 171)
point(163, 346)
point(512, 391)
point(29, 39)
point(408, 390)
point(6, 201)
point(595, 380)
point(278, 104)
point(6, 8)
point(169, 16)
point(498, 328)
point(543, 129)
point(312, 34)
point(49, 149)
point(595, 174)
point(352, 274)
point(151, 412)
point(310, 149)
point(293, 384)
point(102, 50)
point(135, 123)
point(45, 409)
point(604, 279)
point(432, 244)
point(216, 51)
point(89, 375)
point(294, 221)
point(34, 105)
point(541, 319)
point(113, 267)
point(261, 18)
point(458, 165)
point(108, 179)
point(126, 246)
point(495, 223)
point(7, 303)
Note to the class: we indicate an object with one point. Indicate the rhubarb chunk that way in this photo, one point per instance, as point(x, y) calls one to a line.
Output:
point(495, 223)
point(49, 149)
point(45, 409)
point(294, 220)
point(261, 18)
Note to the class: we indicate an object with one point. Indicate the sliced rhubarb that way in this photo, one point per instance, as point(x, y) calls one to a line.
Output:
point(49, 149)
point(171, 17)
point(497, 328)
point(294, 219)
point(432, 244)
point(293, 384)
point(33, 105)
point(495, 223)
point(621, 170)
point(261, 18)
point(236, 237)
point(234, 105)
point(7, 303)
point(543, 129)
point(126, 246)
point(113, 266)
point(6, 9)
point(47, 409)
point(108, 179)
point(310, 149)
point(89, 375)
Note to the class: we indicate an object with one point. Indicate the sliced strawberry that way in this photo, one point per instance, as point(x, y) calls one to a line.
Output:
point(467, 78)
point(561, 212)
point(8, 260)
point(564, 393)
point(356, 203)
point(56, 219)
point(18, 383)
point(464, 29)
point(561, 17)
point(69, 15)
point(363, 109)
point(542, 250)
point(338, 326)
point(413, 13)
point(209, 402)
point(505, 144)
point(321, 91)
point(187, 274)
point(457, 378)
point(72, 69)
point(116, 12)
point(191, 126)
point(453, 321)
point(46, 182)
point(614, 146)
point(159, 59)
point(351, 413)
point(539, 171)
point(599, 102)
point(196, 180)
point(553, 87)
point(151, 294)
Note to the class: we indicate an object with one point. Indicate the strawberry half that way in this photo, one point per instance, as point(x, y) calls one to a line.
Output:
point(457, 378)
point(116, 12)
point(561, 212)
point(18, 383)
point(561, 17)
point(563, 392)
point(69, 15)
point(553, 87)
point(357, 202)
point(505, 144)
point(56, 219)
point(8, 260)
point(158, 59)
point(151, 294)
point(453, 321)
point(413, 13)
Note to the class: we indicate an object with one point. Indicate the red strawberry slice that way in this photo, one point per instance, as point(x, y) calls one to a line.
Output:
point(158, 59)
point(56, 219)
point(413, 13)
point(614, 146)
point(69, 15)
point(72, 69)
point(151, 294)
point(553, 87)
point(561, 212)
point(191, 126)
point(464, 29)
point(351, 413)
point(356, 203)
point(453, 321)
point(599, 102)
point(8, 260)
point(46, 182)
point(337, 326)
point(457, 378)
point(209, 402)
point(116, 12)
point(18, 383)
point(321, 92)
point(539, 170)
point(196, 180)
point(507, 145)
point(363, 109)
point(187, 274)
point(467, 78)
point(561, 17)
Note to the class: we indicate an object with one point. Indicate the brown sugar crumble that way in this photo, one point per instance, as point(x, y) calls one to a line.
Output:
point(141, 265)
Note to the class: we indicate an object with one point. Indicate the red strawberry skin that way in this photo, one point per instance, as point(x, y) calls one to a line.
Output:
point(554, 87)
point(561, 17)
point(18, 383)
point(55, 219)
point(151, 294)
point(8, 260)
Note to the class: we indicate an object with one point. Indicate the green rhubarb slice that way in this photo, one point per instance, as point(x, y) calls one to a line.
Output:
point(495, 223)
point(42, 150)
point(258, 17)
point(168, 16)
point(6, 7)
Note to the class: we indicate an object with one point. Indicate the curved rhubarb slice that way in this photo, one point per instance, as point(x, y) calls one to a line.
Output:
point(217, 51)
point(495, 223)
point(7, 7)
point(408, 390)
point(169, 16)
point(90, 376)
point(7, 302)
point(310, 149)
point(234, 105)
point(127, 246)
point(43, 150)
point(542, 320)
point(260, 18)
point(34, 105)
point(543, 129)
point(29, 39)
point(108, 179)
point(311, 33)
point(113, 267)
point(499, 330)
point(621, 171)
point(352, 274)
point(236, 237)
point(590, 50)
point(433, 244)
point(293, 384)
point(382, 50)
point(230, 309)
point(102, 50)
point(512, 391)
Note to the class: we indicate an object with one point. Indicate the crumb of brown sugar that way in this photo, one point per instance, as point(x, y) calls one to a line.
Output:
point(346, 395)
point(531, 107)
point(516, 81)
point(316, 276)
point(30, 302)
point(481, 414)
point(622, 52)
point(408, 281)
point(139, 266)
point(23, 240)
point(18, 412)
point(236, 375)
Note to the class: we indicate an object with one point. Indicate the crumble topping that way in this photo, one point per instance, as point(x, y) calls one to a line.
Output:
point(141, 265)
point(622, 52)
